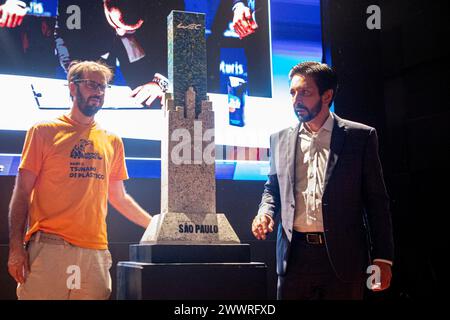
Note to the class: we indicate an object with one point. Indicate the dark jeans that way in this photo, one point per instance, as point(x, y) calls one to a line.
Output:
point(310, 276)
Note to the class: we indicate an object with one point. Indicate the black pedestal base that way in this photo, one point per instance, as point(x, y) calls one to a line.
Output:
point(191, 281)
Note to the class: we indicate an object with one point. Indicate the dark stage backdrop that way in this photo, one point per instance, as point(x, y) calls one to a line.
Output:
point(396, 79)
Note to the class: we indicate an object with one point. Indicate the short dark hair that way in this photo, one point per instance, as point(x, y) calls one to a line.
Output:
point(324, 76)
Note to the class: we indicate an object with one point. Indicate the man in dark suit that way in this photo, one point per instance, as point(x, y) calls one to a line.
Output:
point(133, 32)
point(326, 183)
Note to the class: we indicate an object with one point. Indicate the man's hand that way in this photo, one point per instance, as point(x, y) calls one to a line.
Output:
point(385, 275)
point(18, 265)
point(115, 18)
point(261, 225)
point(12, 13)
point(243, 22)
point(147, 93)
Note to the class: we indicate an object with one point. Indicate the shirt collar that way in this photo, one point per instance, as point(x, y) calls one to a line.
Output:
point(329, 123)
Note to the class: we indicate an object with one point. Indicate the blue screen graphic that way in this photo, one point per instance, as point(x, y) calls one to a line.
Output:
point(293, 30)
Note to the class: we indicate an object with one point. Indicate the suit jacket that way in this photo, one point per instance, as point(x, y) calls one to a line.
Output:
point(355, 204)
point(96, 37)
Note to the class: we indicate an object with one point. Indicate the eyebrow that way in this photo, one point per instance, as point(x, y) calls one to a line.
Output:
point(304, 88)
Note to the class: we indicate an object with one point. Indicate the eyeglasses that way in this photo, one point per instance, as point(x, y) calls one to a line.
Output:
point(93, 85)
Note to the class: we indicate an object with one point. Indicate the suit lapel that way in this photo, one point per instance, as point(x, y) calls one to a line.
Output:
point(336, 144)
point(291, 151)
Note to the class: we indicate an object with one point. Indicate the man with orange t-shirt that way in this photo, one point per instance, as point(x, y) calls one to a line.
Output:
point(70, 168)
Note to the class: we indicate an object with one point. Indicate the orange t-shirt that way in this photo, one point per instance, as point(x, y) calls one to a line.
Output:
point(73, 164)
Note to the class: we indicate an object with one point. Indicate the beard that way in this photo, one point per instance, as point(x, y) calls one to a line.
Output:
point(84, 106)
point(309, 114)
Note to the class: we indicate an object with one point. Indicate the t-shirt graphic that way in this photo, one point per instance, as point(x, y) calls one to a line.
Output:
point(84, 150)
point(79, 151)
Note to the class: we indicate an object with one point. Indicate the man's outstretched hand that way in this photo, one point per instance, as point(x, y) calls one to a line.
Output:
point(243, 22)
point(147, 93)
point(12, 13)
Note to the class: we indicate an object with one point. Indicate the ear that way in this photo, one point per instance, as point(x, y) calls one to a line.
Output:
point(73, 89)
point(327, 96)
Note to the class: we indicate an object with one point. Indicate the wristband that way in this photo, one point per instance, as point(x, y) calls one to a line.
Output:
point(162, 81)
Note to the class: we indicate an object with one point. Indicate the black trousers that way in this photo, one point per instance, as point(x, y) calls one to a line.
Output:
point(310, 276)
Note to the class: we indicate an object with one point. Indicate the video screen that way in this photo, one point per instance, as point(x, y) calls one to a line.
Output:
point(246, 76)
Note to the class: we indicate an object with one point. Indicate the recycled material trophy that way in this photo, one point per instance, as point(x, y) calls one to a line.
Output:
point(188, 183)
point(188, 242)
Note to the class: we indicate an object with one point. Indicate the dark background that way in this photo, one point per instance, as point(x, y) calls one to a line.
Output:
point(395, 79)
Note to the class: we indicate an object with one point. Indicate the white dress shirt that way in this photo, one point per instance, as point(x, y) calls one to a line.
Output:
point(312, 152)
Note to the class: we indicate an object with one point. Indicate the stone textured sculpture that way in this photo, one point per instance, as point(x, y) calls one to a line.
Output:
point(188, 186)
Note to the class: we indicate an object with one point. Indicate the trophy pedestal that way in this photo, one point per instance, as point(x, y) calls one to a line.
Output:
point(200, 271)
point(191, 281)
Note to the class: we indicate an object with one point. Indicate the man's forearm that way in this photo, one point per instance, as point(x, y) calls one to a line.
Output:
point(17, 219)
point(132, 211)
point(270, 200)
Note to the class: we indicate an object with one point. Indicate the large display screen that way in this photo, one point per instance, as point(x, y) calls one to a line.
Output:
point(247, 76)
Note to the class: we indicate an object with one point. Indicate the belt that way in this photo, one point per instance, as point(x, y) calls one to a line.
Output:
point(50, 238)
point(316, 238)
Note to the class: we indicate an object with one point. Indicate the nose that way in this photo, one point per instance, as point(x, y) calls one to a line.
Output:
point(297, 98)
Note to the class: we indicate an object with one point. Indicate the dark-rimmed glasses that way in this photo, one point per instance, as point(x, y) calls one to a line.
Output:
point(91, 84)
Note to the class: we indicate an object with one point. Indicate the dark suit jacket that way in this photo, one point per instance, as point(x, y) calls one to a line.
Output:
point(355, 203)
point(96, 37)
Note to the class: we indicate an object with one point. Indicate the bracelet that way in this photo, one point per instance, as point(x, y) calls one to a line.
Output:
point(162, 82)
